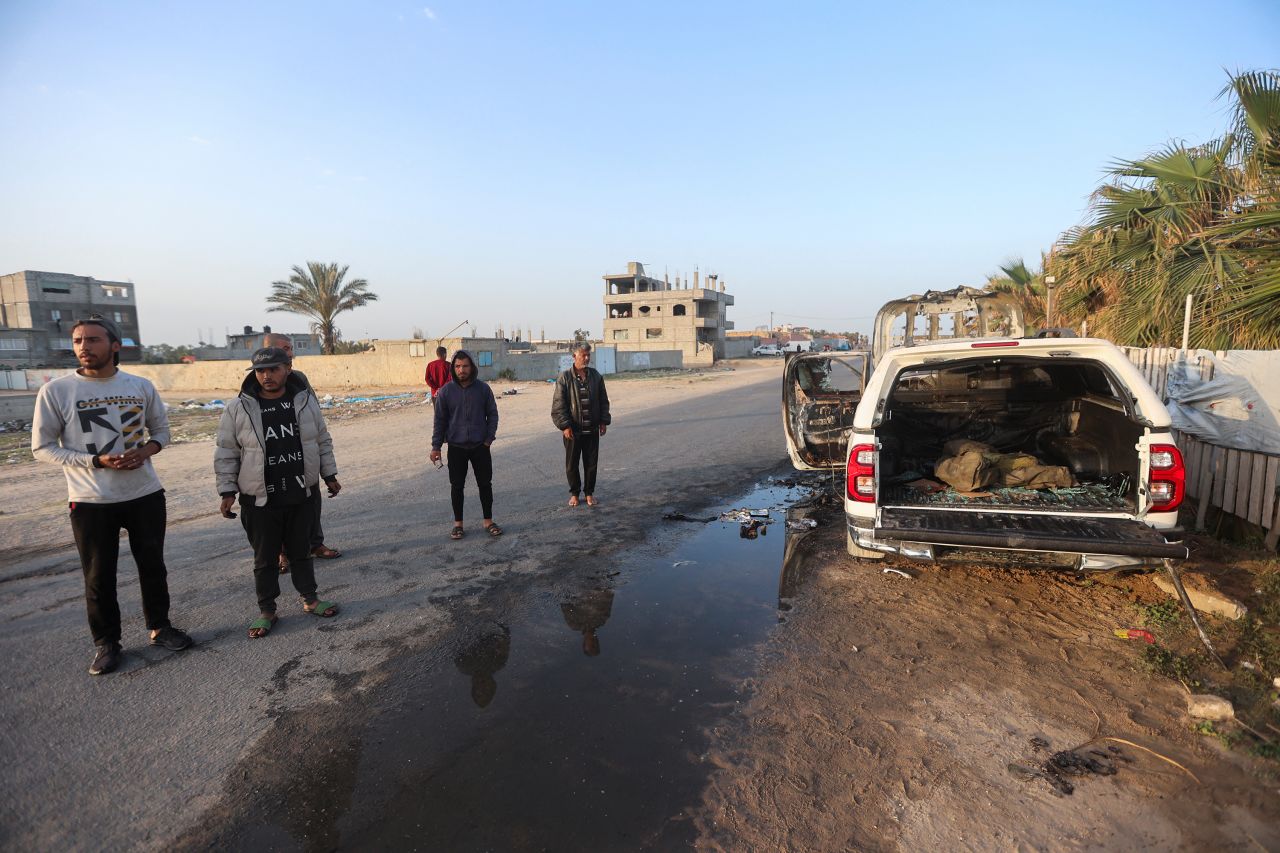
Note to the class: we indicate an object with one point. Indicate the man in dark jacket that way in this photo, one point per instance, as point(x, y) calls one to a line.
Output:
point(580, 410)
point(466, 418)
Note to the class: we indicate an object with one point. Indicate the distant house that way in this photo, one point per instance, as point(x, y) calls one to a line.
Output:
point(643, 313)
point(38, 309)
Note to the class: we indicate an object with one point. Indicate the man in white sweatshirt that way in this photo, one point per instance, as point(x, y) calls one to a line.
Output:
point(102, 426)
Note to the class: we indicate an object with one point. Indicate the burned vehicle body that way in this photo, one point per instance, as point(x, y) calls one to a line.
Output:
point(1049, 451)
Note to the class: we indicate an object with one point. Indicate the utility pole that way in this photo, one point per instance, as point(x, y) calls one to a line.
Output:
point(771, 334)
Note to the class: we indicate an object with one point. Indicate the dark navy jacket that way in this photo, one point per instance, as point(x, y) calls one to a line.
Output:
point(467, 417)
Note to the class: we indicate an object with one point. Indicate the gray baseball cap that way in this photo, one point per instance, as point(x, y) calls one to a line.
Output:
point(113, 331)
point(269, 357)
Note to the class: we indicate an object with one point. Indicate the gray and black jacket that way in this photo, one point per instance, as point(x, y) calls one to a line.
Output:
point(566, 409)
point(239, 458)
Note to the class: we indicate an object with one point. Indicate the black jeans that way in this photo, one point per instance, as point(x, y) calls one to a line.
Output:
point(272, 528)
point(481, 462)
point(317, 532)
point(585, 447)
point(97, 532)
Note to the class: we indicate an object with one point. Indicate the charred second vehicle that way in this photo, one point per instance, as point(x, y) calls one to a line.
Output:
point(958, 435)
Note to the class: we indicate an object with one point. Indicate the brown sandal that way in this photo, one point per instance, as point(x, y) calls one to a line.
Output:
point(324, 552)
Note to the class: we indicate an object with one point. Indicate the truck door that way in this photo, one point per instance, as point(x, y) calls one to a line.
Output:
point(820, 393)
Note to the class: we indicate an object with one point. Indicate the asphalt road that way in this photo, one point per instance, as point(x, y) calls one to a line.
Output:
point(145, 756)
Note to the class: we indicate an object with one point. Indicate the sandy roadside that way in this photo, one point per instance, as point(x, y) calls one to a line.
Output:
point(888, 710)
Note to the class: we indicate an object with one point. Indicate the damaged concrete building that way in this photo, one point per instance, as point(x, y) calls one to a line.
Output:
point(645, 314)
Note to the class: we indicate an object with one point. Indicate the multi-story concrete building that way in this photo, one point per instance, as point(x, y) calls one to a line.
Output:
point(37, 310)
point(644, 313)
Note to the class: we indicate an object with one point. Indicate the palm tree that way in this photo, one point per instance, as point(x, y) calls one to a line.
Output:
point(1186, 220)
point(317, 292)
point(1025, 285)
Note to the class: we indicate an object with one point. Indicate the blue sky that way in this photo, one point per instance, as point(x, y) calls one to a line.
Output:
point(489, 161)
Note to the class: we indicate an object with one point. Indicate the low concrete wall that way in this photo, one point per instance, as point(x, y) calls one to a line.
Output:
point(738, 347)
point(391, 368)
point(628, 361)
point(18, 406)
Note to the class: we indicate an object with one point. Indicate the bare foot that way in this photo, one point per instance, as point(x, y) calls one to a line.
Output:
point(573, 501)
point(591, 500)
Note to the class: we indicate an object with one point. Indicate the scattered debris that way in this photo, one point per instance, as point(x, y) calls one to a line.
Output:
point(1173, 570)
point(1078, 762)
point(1206, 706)
point(210, 406)
point(1215, 603)
point(753, 528)
point(678, 563)
point(927, 486)
point(746, 516)
point(510, 392)
point(1135, 634)
point(680, 516)
point(896, 572)
point(802, 523)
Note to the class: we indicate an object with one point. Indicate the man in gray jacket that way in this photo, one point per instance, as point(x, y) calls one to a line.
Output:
point(273, 448)
point(318, 548)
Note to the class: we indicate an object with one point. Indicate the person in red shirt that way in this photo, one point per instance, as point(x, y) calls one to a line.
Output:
point(438, 373)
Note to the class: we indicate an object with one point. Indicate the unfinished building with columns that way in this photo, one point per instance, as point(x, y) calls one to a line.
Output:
point(642, 313)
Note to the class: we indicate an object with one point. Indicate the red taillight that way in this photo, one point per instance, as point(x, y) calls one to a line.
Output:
point(861, 473)
point(1168, 478)
point(989, 344)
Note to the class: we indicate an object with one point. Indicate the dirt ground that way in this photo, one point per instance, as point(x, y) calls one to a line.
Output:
point(888, 710)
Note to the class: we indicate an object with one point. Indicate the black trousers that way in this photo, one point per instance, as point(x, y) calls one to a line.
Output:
point(97, 532)
point(271, 529)
point(317, 532)
point(584, 447)
point(481, 462)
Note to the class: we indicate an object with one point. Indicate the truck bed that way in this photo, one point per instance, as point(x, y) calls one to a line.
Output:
point(1027, 532)
point(1087, 497)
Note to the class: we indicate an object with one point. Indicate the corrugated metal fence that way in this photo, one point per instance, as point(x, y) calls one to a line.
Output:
point(1239, 482)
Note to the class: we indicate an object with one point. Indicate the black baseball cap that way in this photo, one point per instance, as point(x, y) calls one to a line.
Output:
point(113, 331)
point(269, 357)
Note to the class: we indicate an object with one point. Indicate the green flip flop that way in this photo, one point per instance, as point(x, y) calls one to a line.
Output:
point(262, 624)
point(321, 609)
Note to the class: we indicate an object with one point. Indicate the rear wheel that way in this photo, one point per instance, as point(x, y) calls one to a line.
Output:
point(856, 550)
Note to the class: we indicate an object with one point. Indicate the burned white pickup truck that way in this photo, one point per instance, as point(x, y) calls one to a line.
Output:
point(968, 437)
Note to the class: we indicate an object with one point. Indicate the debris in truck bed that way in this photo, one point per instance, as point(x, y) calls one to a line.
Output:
point(924, 484)
point(971, 465)
point(1083, 496)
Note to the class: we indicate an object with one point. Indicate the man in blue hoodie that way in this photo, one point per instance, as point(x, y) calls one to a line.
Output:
point(466, 418)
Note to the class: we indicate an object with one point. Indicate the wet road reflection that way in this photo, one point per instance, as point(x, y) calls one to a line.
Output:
point(594, 743)
point(484, 655)
point(586, 614)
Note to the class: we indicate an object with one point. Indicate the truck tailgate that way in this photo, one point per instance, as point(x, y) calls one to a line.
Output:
point(1026, 532)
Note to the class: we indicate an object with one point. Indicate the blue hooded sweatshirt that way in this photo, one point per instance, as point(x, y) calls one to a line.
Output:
point(467, 417)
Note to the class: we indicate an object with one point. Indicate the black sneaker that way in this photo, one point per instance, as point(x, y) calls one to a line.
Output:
point(171, 638)
point(107, 659)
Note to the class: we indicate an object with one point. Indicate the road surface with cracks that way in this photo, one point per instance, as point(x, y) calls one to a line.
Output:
point(139, 758)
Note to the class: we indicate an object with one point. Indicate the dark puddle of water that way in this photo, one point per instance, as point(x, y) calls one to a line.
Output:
point(574, 721)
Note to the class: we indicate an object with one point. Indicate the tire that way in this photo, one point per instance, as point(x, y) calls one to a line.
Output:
point(857, 551)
